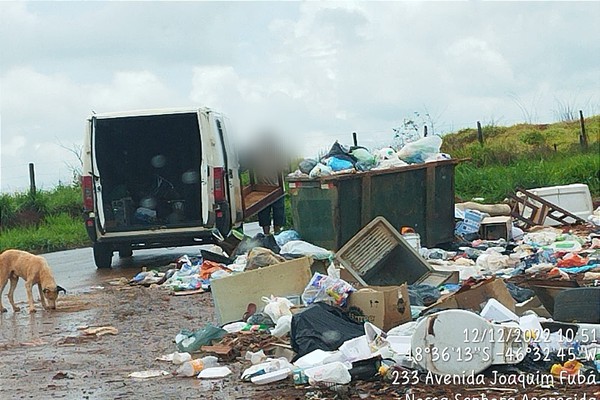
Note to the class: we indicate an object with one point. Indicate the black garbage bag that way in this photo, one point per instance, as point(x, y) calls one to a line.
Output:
point(338, 151)
point(322, 326)
point(307, 165)
point(260, 240)
point(423, 295)
point(518, 293)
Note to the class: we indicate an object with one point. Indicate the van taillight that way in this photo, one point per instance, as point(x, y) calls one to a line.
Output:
point(88, 192)
point(219, 184)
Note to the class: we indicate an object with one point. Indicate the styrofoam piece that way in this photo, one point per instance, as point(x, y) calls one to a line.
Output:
point(575, 198)
point(400, 344)
point(214, 373)
point(464, 343)
point(271, 377)
point(356, 349)
point(317, 357)
point(497, 312)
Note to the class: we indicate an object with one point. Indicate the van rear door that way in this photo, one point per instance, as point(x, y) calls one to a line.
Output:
point(96, 183)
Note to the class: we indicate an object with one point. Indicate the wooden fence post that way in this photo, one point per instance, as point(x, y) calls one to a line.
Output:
point(582, 136)
point(479, 133)
point(32, 189)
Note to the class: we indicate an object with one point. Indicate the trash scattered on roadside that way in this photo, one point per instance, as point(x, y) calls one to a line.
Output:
point(153, 373)
point(193, 367)
point(214, 373)
point(384, 304)
point(101, 331)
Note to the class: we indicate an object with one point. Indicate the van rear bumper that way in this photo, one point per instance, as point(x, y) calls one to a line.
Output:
point(159, 240)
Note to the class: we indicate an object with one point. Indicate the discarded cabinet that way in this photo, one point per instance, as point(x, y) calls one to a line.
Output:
point(378, 255)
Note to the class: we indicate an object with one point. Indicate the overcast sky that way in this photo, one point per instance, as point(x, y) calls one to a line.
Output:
point(317, 71)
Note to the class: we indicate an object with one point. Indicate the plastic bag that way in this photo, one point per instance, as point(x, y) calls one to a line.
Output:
point(324, 288)
point(320, 170)
point(277, 307)
point(335, 372)
point(387, 153)
point(190, 342)
point(286, 236)
point(419, 150)
point(338, 164)
point(307, 165)
point(339, 151)
point(283, 326)
point(299, 247)
point(260, 257)
point(391, 163)
point(363, 155)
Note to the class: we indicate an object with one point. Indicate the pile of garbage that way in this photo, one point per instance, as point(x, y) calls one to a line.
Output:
point(343, 159)
point(525, 303)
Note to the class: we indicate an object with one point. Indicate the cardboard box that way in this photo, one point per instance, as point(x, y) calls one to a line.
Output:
point(232, 294)
point(383, 306)
point(475, 297)
point(494, 228)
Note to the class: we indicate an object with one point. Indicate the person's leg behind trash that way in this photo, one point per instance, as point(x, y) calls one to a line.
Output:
point(264, 220)
point(278, 214)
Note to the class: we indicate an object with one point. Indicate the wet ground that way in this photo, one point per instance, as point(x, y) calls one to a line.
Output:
point(47, 355)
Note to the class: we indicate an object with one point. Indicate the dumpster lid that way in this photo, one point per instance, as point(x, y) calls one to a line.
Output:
point(379, 250)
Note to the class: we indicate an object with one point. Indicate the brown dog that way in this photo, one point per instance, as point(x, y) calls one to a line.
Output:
point(15, 264)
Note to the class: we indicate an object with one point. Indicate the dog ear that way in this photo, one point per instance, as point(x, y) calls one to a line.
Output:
point(60, 289)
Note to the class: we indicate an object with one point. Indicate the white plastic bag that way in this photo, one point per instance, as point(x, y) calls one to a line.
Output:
point(320, 170)
point(283, 326)
point(420, 150)
point(300, 247)
point(335, 372)
point(277, 307)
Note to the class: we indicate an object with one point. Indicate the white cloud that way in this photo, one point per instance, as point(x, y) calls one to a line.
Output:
point(315, 70)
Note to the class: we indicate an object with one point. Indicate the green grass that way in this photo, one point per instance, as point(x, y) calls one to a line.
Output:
point(495, 182)
point(56, 232)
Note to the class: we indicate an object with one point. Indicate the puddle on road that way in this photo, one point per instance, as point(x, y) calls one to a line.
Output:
point(45, 327)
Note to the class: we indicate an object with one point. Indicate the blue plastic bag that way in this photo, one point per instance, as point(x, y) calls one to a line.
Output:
point(338, 164)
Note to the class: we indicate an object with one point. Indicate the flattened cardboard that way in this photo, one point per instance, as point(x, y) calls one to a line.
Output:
point(383, 306)
point(477, 296)
point(232, 294)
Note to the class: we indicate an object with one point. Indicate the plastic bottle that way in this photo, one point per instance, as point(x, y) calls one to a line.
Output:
point(193, 367)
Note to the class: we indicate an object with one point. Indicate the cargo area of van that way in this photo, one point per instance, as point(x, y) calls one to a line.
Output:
point(149, 171)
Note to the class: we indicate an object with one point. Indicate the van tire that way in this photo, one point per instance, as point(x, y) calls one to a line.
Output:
point(102, 255)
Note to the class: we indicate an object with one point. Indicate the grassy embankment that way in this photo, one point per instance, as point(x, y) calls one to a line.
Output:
point(521, 155)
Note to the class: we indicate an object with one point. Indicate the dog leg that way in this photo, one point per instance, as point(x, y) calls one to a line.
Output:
point(28, 286)
point(42, 297)
point(2, 309)
point(11, 291)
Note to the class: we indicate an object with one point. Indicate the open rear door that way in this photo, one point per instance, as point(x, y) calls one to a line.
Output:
point(256, 197)
point(96, 183)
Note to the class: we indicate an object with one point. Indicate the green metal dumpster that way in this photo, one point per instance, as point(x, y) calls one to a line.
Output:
point(329, 211)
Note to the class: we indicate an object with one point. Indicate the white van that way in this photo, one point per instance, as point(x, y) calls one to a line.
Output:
point(163, 178)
